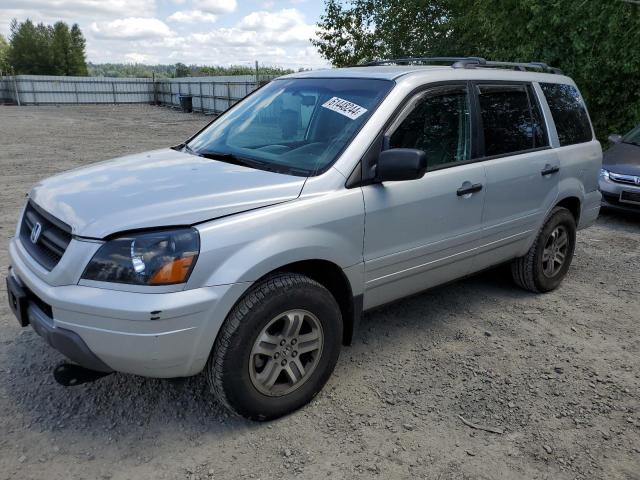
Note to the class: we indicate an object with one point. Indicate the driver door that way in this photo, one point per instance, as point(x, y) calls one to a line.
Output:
point(421, 233)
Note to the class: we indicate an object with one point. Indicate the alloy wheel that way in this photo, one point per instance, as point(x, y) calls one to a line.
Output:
point(554, 254)
point(286, 352)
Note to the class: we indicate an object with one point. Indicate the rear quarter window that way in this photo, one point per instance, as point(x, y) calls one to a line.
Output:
point(569, 113)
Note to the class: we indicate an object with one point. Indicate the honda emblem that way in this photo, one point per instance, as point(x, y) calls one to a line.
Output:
point(35, 233)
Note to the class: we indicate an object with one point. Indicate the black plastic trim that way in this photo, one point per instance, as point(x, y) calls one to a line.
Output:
point(550, 170)
point(358, 308)
point(18, 300)
point(355, 178)
point(69, 343)
point(57, 222)
point(54, 239)
point(476, 187)
point(465, 62)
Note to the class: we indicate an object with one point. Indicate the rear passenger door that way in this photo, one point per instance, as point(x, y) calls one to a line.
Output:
point(521, 169)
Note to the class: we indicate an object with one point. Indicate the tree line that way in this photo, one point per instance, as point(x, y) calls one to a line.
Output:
point(60, 50)
point(594, 42)
point(177, 70)
point(44, 49)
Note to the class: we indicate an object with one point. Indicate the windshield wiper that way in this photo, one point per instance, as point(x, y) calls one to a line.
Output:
point(184, 147)
point(190, 150)
point(637, 144)
point(231, 158)
point(247, 162)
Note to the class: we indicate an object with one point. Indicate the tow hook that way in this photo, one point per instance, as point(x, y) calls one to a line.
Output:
point(70, 375)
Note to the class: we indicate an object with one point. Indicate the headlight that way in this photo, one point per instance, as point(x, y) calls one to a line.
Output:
point(163, 257)
point(604, 173)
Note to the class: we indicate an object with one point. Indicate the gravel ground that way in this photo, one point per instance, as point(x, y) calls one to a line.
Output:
point(557, 375)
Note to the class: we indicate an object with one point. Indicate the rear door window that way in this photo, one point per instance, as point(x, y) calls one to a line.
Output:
point(569, 113)
point(511, 119)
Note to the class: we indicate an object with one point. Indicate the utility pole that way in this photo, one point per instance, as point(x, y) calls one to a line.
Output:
point(155, 91)
point(15, 86)
point(257, 75)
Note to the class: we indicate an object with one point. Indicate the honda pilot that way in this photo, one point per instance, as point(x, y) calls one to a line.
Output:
point(250, 251)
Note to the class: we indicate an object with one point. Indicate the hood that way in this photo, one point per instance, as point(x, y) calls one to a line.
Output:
point(622, 158)
point(158, 188)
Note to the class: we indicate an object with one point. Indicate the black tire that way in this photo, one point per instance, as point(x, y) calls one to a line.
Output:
point(228, 366)
point(528, 271)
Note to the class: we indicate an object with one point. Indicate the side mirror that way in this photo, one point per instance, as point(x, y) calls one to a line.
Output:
point(615, 138)
point(399, 164)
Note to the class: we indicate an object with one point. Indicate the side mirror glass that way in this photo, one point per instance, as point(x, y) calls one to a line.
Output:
point(399, 164)
point(615, 138)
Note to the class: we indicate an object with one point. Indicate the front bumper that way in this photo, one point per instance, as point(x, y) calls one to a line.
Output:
point(32, 311)
point(611, 192)
point(155, 335)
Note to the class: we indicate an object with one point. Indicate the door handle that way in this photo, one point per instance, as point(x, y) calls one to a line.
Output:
point(548, 170)
point(476, 187)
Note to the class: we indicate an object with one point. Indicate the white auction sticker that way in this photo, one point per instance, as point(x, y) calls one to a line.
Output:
point(344, 107)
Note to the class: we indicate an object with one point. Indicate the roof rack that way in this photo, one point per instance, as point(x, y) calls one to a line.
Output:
point(465, 62)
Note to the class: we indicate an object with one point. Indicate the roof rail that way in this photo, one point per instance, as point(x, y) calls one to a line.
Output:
point(465, 62)
point(409, 60)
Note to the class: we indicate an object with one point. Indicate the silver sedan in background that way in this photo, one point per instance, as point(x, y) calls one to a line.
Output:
point(620, 175)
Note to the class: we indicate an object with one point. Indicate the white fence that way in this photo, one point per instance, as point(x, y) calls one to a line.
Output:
point(209, 94)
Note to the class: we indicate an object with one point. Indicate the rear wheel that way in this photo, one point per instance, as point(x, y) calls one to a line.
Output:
point(546, 263)
point(277, 347)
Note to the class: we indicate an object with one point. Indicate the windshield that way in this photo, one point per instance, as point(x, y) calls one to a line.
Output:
point(295, 126)
point(633, 136)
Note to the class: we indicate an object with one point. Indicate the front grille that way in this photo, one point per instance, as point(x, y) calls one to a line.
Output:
point(53, 240)
point(628, 179)
point(630, 197)
point(615, 200)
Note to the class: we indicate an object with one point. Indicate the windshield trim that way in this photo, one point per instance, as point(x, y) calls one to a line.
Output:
point(292, 171)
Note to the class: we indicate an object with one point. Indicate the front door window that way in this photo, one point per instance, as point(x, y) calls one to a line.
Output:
point(440, 124)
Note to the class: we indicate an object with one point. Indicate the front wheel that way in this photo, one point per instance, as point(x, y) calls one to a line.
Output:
point(546, 263)
point(277, 348)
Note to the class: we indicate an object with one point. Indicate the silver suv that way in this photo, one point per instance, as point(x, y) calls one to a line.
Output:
point(251, 250)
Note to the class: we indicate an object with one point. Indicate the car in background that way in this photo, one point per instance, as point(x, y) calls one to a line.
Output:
point(620, 175)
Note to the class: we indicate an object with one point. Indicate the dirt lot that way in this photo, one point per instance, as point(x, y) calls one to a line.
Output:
point(559, 374)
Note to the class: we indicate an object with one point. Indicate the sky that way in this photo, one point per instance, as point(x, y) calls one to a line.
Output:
point(202, 32)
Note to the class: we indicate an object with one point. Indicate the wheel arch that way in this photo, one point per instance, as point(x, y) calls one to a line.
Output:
point(573, 204)
point(333, 278)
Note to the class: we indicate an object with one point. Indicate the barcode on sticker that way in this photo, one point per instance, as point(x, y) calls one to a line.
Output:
point(344, 107)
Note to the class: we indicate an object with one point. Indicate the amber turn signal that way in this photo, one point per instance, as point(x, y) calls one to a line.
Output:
point(174, 272)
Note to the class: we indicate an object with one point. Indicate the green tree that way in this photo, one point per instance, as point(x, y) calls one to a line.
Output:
point(29, 51)
point(141, 70)
point(4, 55)
point(46, 50)
point(78, 56)
point(182, 70)
point(61, 49)
point(355, 31)
point(594, 42)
